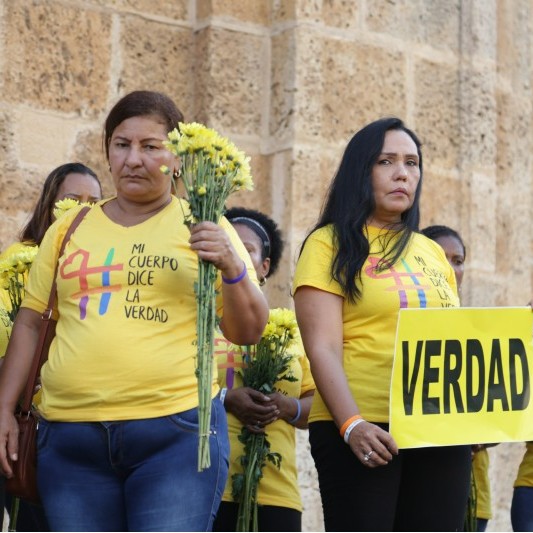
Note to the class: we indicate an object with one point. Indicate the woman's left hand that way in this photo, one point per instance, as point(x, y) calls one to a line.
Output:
point(372, 445)
point(212, 244)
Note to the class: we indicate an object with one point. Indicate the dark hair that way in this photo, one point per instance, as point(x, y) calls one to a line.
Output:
point(139, 104)
point(272, 247)
point(42, 219)
point(350, 203)
point(434, 232)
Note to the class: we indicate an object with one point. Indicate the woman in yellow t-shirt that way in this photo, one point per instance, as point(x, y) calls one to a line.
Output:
point(455, 250)
point(278, 495)
point(361, 264)
point(71, 180)
point(117, 446)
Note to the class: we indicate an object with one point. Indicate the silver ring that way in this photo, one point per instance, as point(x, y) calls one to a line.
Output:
point(368, 455)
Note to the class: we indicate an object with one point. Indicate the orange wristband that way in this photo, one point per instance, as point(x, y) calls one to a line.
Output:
point(344, 427)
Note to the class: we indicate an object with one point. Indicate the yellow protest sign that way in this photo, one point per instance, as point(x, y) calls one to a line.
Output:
point(462, 376)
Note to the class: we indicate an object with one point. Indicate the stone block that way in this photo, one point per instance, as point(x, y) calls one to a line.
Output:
point(234, 93)
point(256, 12)
point(435, 24)
point(342, 14)
point(514, 43)
point(8, 140)
point(46, 137)
point(11, 225)
point(341, 73)
point(283, 11)
point(171, 9)
point(482, 228)
point(478, 30)
point(56, 56)
point(158, 57)
point(312, 172)
point(260, 198)
point(283, 90)
point(21, 187)
point(88, 149)
point(478, 114)
point(338, 14)
point(441, 199)
point(436, 111)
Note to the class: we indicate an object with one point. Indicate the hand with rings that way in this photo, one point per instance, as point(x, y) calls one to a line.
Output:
point(368, 455)
point(372, 445)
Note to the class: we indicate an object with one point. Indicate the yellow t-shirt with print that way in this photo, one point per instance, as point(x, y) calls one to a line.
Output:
point(525, 470)
point(480, 468)
point(124, 346)
point(422, 277)
point(277, 487)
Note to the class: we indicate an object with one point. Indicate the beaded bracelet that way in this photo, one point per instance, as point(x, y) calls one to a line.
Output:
point(298, 412)
point(238, 278)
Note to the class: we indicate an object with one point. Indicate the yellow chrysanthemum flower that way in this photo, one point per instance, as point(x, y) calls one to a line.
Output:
point(64, 205)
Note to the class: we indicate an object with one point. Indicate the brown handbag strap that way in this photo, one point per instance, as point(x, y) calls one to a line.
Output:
point(41, 350)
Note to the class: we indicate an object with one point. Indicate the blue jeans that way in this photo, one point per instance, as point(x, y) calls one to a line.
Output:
point(134, 475)
point(522, 509)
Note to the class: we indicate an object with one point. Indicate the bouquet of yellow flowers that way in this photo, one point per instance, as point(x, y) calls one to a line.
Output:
point(13, 272)
point(211, 168)
point(265, 364)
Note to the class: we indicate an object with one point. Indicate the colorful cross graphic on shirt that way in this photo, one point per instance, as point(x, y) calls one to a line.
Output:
point(399, 277)
point(82, 274)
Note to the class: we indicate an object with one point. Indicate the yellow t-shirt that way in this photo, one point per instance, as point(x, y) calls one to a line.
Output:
point(422, 277)
point(525, 470)
point(124, 346)
point(277, 487)
point(480, 467)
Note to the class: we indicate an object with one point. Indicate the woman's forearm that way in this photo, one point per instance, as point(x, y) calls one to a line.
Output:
point(245, 312)
point(19, 355)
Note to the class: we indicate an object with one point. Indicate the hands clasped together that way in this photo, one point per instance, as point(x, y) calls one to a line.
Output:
point(256, 410)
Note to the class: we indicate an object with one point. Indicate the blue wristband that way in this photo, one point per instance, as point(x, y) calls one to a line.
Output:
point(238, 278)
point(298, 412)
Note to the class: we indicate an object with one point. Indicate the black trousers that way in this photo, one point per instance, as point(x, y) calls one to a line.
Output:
point(270, 517)
point(422, 489)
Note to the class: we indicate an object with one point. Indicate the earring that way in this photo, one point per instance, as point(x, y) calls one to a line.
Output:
point(262, 282)
point(177, 174)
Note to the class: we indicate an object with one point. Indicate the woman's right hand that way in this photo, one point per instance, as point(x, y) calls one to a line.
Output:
point(372, 445)
point(252, 408)
point(9, 432)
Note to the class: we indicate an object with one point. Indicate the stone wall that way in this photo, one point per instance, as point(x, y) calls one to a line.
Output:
point(290, 81)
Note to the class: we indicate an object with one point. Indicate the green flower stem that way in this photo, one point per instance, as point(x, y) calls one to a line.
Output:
point(247, 519)
point(13, 515)
point(206, 313)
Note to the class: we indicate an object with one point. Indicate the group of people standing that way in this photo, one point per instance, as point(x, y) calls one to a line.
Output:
point(118, 436)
